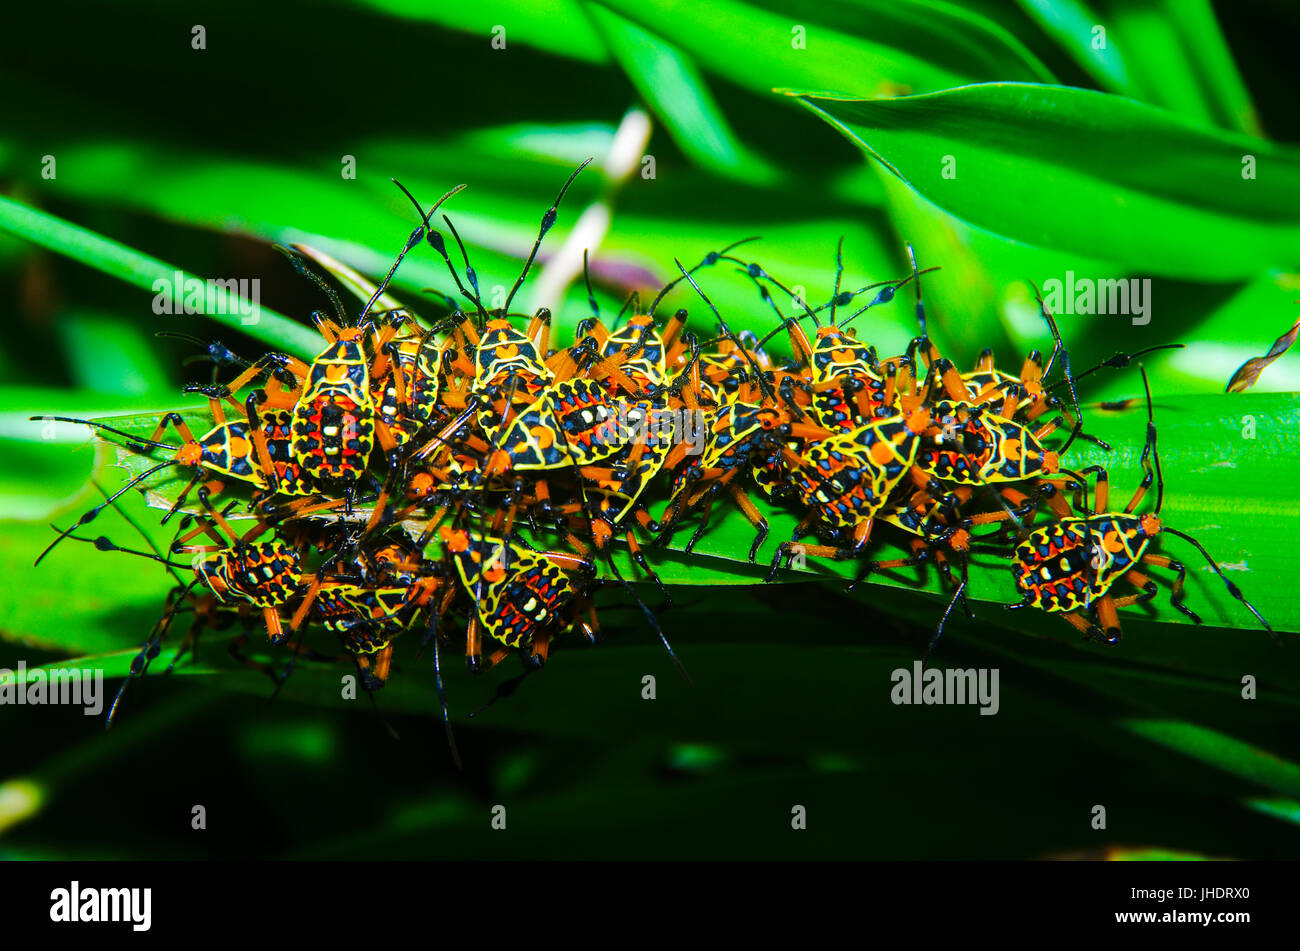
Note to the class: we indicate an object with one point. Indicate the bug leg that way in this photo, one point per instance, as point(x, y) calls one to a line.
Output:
point(711, 494)
point(638, 556)
point(1179, 586)
point(755, 518)
point(236, 651)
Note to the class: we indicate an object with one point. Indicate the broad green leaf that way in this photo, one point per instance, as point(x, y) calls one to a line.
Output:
point(515, 176)
point(1088, 173)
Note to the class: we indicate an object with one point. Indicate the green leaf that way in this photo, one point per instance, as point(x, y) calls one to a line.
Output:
point(1167, 54)
point(869, 48)
point(1088, 173)
point(144, 271)
point(1223, 752)
point(670, 83)
point(107, 356)
point(554, 26)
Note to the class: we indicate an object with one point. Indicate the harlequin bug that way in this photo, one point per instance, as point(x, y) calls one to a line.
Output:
point(845, 480)
point(521, 596)
point(1070, 566)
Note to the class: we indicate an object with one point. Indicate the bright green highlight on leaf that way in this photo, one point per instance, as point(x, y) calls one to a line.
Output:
point(1222, 752)
point(143, 271)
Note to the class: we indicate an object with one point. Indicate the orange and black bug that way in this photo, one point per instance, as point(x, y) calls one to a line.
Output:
point(521, 596)
point(739, 433)
point(1071, 565)
point(238, 570)
point(224, 452)
point(333, 429)
point(636, 359)
point(971, 445)
point(367, 592)
point(574, 421)
point(503, 357)
point(845, 480)
point(844, 378)
point(336, 422)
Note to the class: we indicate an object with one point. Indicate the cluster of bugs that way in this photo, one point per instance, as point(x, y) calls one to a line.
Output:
point(468, 482)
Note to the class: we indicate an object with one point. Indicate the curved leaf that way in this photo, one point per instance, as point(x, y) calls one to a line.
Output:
point(1089, 173)
point(869, 48)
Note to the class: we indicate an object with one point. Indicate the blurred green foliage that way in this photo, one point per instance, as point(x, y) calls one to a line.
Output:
point(1122, 158)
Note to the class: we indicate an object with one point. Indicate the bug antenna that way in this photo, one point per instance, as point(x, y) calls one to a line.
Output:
point(761, 379)
point(1231, 586)
point(411, 242)
point(710, 259)
point(586, 277)
point(424, 218)
point(140, 663)
point(135, 440)
point(1022, 532)
point(757, 274)
point(374, 705)
point(1120, 360)
point(435, 239)
point(132, 522)
point(442, 693)
point(504, 689)
point(91, 515)
point(839, 274)
point(301, 265)
point(548, 221)
point(916, 276)
point(890, 288)
point(103, 543)
point(1151, 442)
point(470, 274)
point(649, 616)
point(1058, 347)
point(633, 301)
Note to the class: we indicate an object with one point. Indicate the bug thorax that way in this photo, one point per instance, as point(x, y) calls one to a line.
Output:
point(839, 351)
point(189, 454)
point(503, 347)
point(919, 420)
